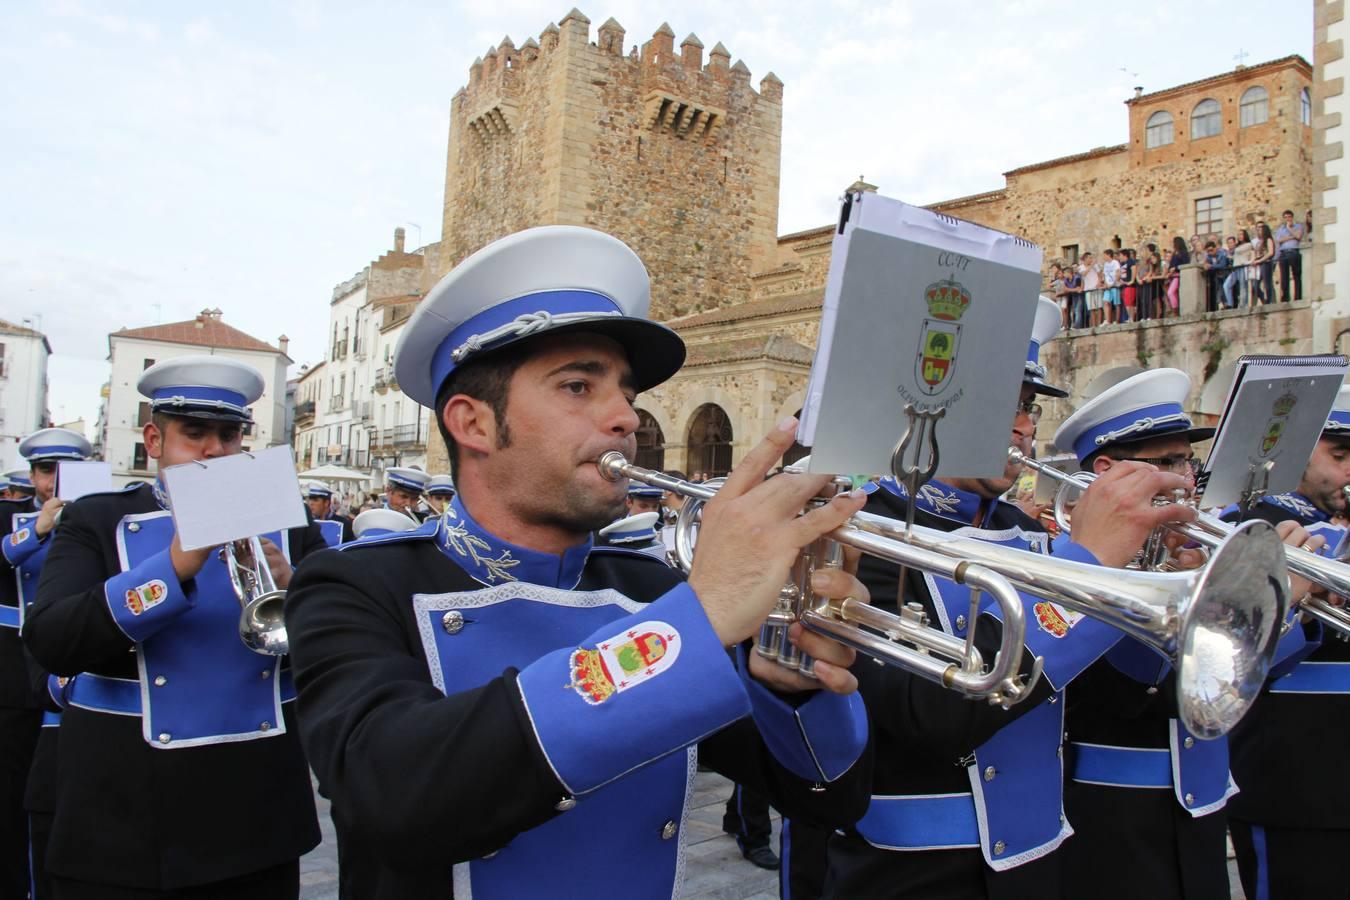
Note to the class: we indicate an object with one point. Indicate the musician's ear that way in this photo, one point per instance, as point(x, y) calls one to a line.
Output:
point(1102, 463)
point(471, 423)
point(153, 438)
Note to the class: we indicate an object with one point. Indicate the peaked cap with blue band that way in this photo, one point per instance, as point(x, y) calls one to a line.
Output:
point(382, 521)
point(1045, 327)
point(311, 489)
point(19, 480)
point(202, 387)
point(547, 280)
point(440, 485)
point(1338, 420)
point(54, 444)
point(631, 529)
point(648, 491)
point(414, 480)
point(1141, 407)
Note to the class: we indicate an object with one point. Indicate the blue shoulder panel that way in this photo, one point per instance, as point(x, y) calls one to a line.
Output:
point(428, 530)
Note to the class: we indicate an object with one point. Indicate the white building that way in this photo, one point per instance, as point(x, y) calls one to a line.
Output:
point(23, 388)
point(349, 410)
point(133, 350)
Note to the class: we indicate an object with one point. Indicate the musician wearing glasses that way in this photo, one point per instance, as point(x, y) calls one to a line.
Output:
point(967, 795)
point(1139, 786)
point(179, 769)
point(1290, 820)
point(26, 759)
point(498, 707)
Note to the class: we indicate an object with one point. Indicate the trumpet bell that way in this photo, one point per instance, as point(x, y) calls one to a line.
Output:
point(262, 627)
point(1229, 630)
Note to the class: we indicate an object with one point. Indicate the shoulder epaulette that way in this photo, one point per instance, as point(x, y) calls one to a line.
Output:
point(428, 530)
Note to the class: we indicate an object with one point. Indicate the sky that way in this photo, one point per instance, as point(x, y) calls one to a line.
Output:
point(160, 157)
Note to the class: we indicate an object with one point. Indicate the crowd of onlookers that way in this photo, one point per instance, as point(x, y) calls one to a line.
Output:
point(1126, 285)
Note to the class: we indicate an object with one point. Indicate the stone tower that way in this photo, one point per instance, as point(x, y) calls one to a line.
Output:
point(675, 155)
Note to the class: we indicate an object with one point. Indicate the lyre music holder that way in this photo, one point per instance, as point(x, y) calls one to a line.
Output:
point(1258, 481)
point(908, 463)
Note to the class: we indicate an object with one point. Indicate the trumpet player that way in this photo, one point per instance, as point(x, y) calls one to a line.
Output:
point(1290, 820)
point(180, 769)
point(967, 796)
point(498, 706)
point(26, 530)
point(440, 490)
point(404, 487)
point(1139, 787)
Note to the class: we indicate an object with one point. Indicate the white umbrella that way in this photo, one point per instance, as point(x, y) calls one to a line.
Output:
point(334, 473)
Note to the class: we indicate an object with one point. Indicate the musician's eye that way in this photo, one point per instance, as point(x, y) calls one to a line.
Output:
point(575, 387)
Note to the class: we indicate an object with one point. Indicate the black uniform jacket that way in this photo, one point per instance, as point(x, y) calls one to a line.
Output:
point(15, 692)
point(1285, 753)
point(128, 814)
point(924, 735)
point(420, 780)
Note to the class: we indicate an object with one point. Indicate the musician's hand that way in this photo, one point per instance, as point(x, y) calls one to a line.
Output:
point(1181, 557)
point(277, 563)
point(751, 532)
point(1115, 515)
point(1295, 535)
point(832, 658)
point(187, 563)
point(46, 519)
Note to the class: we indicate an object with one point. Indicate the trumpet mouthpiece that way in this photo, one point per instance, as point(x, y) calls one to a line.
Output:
point(611, 465)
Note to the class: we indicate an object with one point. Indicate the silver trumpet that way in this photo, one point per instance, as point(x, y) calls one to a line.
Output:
point(1210, 532)
point(1218, 625)
point(906, 640)
point(262, 627)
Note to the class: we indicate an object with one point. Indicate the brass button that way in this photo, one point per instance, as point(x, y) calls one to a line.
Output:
point(999, 847)
point(668, 830)
point(565, 804)
point(1190, 799)
point(165, 738)
point(134, 527)
point(1152, 689)
point(989, 773)
point(960, 622)
point(1188, 743)
point(265, 726)
point(160, 681)
point(266, 674)
point(453, 622)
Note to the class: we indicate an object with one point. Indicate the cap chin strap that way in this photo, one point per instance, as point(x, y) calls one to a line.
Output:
point(523, 326)
point(1146, 424)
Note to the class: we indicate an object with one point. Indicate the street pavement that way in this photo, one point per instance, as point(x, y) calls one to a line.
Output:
point(714, 869)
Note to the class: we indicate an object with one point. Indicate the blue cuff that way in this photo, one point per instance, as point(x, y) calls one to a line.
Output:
point(819, 740)
point(1295, 646)
point(147, 598)
point(17, 551)
point(637, 689)
point(1067, 640)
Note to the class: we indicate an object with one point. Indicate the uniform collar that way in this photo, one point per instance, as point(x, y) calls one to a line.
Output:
point(491, 560)
point(945, 501)
point(1299, 505)
point(161, 495)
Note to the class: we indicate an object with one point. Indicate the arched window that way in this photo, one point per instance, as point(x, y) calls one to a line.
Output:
point(1253, 108)
point(709, 441)
point(1158, 132)
point(1206, 119)
point(1305, 107)
point(651, 443)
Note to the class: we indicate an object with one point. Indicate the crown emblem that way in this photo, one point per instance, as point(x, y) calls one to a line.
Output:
point(947, 299)
point(1285, 405)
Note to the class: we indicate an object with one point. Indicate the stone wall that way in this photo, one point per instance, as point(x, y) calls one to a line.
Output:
point(676, 156)
point(1326, 274)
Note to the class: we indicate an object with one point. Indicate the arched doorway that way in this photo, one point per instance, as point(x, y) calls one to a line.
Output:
point(651, 443)
point(709, 441)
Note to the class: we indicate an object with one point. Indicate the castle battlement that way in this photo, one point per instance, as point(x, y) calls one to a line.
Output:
point(667, 146)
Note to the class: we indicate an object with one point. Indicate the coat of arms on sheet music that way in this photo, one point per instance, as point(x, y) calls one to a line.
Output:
point(940, 337)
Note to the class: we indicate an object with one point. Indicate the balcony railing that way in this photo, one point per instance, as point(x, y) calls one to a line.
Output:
point(304, 410)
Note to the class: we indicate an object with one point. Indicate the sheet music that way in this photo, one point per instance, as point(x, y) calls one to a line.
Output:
point(926, 310)
point(77, 479)
point(233, 497)
point(1275, 413)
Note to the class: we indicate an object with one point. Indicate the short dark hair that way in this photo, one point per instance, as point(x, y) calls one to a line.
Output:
point(676, 473)
point(1287, 212)
point(487, 379)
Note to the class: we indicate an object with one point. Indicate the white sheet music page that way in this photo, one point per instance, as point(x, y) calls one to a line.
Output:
point(76, 479)
point(1275, 413)
point(925, 310)
point(234, 497)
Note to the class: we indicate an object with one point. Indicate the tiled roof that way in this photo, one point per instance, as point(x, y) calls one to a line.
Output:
point(752, 309)
point(774, 347)
point(203, 331)
point(1074, 157)
point(1246, 70)
point(11, 328)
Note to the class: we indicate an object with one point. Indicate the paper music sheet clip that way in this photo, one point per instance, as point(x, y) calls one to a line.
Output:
point(76, 479)
point(234, 497)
